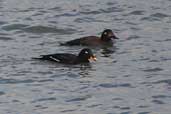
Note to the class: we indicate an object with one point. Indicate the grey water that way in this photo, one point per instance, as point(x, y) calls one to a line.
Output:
point(133, 77)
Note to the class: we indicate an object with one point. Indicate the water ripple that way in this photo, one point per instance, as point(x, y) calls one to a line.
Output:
point(45, 29)
point(71, 110)
point(161, 96)
point(94, 105)
point(90, 12)
point(137, 12)
point(46, 80)
point(40, 107)
point(111, 10)
point(111, 3)
point(14, 81)
point(82, 98)
point(158, 102)
point(44, 99)
point(109, 85)
point(2, 22)
point(167, 81)
point(133, 37)
point(123, 112)
point(5, 38)
point(11, 27)
point(67, 15)
point(1, 93)
point(87, 19)
point(155, 17)
point(56, 8)
point(144, 113)
point(153, 69)
point(159, 15)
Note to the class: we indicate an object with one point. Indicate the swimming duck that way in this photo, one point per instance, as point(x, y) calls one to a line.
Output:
point(84, 56)
point(106, 38)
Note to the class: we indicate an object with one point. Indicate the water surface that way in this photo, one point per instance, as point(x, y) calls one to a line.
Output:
point(132, 77)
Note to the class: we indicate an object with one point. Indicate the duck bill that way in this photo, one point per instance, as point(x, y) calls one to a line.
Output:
point(93, 58)
point(111, 35)
point(114, 37)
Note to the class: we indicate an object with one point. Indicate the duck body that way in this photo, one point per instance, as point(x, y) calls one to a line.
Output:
point(83, 57)
point(60, 58)
point(87, 41)
point(105, 39)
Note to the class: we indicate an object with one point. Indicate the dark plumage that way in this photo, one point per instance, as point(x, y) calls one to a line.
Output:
point(83, 57)
point(106, 38)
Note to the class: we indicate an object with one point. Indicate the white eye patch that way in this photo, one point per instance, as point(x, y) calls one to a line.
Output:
point(105, 33)
point(86, 52)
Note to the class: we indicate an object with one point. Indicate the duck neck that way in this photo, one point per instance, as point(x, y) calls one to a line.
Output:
point(103, 38)
point(81, 60)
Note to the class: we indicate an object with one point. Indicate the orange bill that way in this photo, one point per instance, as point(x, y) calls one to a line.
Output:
point(93, 58)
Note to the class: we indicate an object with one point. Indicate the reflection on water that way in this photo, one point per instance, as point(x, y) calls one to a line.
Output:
point(133, 76)
point(108, 51)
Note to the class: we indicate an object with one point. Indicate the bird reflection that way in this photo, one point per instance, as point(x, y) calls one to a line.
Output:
point(108, 51)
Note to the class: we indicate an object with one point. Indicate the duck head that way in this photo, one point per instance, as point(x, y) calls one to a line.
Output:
point(108, 35)
point(86, 55)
